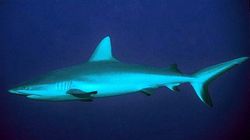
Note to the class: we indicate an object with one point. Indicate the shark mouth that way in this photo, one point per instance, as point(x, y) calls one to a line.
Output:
point(19, 93)
point(28, 95)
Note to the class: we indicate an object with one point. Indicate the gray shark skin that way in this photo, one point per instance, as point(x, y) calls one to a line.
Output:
point(104, 76)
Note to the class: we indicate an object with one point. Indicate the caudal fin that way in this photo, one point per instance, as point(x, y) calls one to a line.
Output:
point(205, 76)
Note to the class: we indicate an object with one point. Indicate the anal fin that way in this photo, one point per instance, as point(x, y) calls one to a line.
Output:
point(174, 87)
point(148, 91)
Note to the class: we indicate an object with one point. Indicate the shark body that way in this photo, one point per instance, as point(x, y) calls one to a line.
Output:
point(104, 76)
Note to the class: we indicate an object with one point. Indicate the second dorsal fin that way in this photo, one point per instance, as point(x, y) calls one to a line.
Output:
point(103, 51)
point(173, 68)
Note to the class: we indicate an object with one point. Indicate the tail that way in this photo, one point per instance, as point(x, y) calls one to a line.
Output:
point(207, 75)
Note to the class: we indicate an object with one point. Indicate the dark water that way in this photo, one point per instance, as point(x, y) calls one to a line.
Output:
point(37, 36)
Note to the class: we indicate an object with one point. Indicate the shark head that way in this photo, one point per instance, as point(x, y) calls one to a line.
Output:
point(42, 85)
point(33, 90)
point(29, 88)
point(21, 90)
point(59, 82)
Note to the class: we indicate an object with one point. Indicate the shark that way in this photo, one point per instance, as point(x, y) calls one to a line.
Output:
point(103, 76)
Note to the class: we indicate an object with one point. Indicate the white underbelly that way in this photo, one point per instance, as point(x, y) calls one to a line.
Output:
point(114, 89)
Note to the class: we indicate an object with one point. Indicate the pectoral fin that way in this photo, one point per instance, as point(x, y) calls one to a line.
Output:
point(81, 94)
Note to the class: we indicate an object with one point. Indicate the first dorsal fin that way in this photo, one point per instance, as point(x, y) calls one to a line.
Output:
point(103, 51)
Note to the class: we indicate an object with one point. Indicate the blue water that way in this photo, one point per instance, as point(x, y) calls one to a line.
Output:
point(41, 35)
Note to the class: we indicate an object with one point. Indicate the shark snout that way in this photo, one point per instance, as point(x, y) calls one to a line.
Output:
point(15, 91)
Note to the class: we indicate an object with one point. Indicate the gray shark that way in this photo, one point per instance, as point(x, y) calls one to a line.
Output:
point(104, 76)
